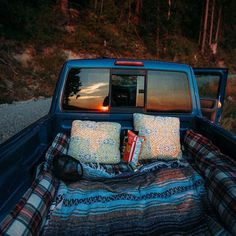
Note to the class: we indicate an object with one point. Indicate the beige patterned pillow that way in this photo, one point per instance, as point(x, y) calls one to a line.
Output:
point(95, 142)
point(162, 136)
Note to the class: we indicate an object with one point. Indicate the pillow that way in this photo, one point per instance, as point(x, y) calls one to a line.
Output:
point(132, 148)
point(95, 142)
point(162, 138)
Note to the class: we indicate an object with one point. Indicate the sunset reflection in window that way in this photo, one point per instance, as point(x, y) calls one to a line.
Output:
point(168, 91)
point(86, 89)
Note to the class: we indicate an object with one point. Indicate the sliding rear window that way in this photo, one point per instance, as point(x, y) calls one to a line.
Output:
point(126, 90)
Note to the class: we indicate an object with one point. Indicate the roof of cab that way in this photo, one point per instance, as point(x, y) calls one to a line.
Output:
point(110, 63)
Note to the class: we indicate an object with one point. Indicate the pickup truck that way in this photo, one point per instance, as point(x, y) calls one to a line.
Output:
point(112, 90)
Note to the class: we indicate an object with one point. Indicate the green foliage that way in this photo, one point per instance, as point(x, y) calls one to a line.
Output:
point(27, 20)
point(107, 28)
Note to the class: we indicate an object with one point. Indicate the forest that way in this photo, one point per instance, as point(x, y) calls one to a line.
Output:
point(38, 36)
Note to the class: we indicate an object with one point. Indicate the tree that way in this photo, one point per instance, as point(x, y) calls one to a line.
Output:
point(64, 7)
point(203, 42)
point(73, 85)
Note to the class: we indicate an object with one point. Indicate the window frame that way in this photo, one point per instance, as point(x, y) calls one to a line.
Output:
point(129, 110)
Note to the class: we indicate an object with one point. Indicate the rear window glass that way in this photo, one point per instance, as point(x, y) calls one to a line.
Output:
point(127, 91)
point(168, 91)
point(86, 89)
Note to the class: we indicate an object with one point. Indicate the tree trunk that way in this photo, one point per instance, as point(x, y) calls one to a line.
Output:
point(130, 13)
point(200, 28)
point(101, 7)
point(138, 7)
point(64, 7)
point(217, 31)
point(169, 9)
point(157, 30)
point(212, 22)
point(218, 25)
point(138, 10)
point(95, 4)
point(205, 27)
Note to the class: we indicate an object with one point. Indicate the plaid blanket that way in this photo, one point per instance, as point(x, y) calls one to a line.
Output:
point(220, 176)
point(28, 216)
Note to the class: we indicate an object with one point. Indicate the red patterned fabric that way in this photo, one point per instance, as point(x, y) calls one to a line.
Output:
point(27, 217)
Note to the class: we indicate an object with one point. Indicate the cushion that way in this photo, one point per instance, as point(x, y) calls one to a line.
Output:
point(133, 148)
point(162, 136)
point(95, 142)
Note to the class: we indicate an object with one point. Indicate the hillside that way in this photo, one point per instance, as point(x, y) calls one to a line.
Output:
point(40, 36)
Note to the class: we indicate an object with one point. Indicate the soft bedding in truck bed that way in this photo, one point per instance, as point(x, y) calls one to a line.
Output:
point(164, 198)
point(163, 201)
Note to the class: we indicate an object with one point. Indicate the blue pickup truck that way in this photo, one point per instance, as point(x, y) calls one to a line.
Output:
point(113, 90)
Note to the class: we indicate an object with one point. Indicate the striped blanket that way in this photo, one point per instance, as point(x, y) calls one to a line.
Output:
point(161, 201)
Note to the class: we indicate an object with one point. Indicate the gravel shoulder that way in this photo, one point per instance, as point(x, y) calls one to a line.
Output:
point(15, 117)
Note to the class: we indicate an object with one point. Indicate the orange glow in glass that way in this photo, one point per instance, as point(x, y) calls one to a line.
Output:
point(104, 108)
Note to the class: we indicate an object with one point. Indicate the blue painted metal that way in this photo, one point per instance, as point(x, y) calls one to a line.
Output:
point(21, 153)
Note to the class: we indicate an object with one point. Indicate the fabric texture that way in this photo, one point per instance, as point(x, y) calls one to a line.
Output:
point(162, 136)
point(145, 203)
point(133, 148)
point(28, 216)
point(95, 142)
point(112, 169)
point(59, 146)
point(220, 176)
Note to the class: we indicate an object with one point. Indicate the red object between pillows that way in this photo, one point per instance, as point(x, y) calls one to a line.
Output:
point(133, 148)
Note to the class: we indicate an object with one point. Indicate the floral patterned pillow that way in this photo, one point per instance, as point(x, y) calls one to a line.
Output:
point(95, 142)
point(162, 136)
